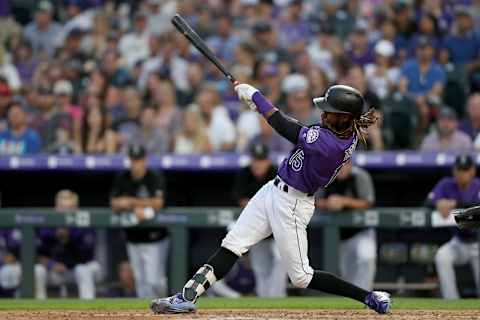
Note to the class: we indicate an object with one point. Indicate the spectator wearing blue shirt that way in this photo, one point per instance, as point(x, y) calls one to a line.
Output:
point(463, 46)
point(294, 31)
point(424, 79)
point(224, 41)
point(18, 139)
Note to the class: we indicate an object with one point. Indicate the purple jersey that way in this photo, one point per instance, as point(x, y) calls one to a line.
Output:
point(316, 159)
point(448, 188)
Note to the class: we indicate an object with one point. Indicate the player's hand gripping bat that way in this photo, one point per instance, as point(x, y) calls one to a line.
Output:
point(195, 39)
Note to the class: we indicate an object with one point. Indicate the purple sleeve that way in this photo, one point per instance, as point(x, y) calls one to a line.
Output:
point(438, 192)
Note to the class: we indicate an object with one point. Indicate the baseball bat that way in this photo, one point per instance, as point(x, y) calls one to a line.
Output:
point(198, 43)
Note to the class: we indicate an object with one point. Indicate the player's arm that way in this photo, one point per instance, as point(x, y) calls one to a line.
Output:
point(287, 127)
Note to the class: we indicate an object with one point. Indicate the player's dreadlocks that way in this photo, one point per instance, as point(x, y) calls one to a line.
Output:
point(359, 126)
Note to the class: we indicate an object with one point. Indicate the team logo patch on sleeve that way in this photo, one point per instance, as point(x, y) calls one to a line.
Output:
point(312, 134)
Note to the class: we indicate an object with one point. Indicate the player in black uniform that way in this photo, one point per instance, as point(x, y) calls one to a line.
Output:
point(142, 191)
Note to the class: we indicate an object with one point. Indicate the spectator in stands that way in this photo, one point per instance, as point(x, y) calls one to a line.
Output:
point(8, 71)
point(63, 91)
point(447, 137)
point(141, 192)
point(125, 288)
point(323, 48)
point(43, 33)
point(25, 62)
point(424, 79)
point(67, 255)
point(270, 274)
point(193, 138)
point(293, 29)
point(382, 75)
point(462, 47)
point(149, 135)
point(271, 139)
point(93, 131)
point(460, 191)
point(49, 119)
point(133, 46)
point(427, 27)
point(220, 128)
point(5, 101)
point(360, 52)
point(299, 103)
point(224, 41)
point(125, 127)
point(356, 78)
point(168, 117)
point(18, 139)
point(471, 124)
point(353, 189)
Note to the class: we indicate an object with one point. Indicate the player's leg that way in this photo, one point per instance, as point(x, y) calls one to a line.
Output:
point(475, 263)
point(261, 262)
point(40, 272)
point(291, 218)
point(134, 252)
point(154, 257)
point(86, 275)
point(363, 251)
point(251, 227)
point(446, 257)
point(278, 277)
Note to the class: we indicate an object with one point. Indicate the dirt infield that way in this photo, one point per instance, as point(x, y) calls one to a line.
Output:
point(241, 315)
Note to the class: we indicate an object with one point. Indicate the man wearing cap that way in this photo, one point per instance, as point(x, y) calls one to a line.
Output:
point(447, 137)
point(43, 33)
point(460, 191)
point(270, 275)
point(423, 78)
point(141, 191)
point(266, 42)
point(295, 86)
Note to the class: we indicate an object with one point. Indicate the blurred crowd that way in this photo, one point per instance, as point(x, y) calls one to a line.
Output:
point(95, 76)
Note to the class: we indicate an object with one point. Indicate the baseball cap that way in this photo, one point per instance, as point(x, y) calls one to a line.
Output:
point(262, 26)
point(137, 151)
point(384, 48)
point(259, 151)
point(45, 5)
point(424, 41)
point(463, 162)
point(294, 82)
point(63, 87)
point(448, 113)
point(5, 90)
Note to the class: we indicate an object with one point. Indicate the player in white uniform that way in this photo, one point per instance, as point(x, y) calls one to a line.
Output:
point(283, 207)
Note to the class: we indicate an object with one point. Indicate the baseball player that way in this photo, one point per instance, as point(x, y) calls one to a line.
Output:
point(460, 191)
point(283, 207)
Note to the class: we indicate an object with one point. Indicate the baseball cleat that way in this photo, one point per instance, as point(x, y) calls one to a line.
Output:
point(174, 304)
point(379, 301)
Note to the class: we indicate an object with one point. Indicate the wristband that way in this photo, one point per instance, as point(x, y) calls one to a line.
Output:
point(263, 105)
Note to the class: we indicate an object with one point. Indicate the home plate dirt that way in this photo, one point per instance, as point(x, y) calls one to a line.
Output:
point(242, 314)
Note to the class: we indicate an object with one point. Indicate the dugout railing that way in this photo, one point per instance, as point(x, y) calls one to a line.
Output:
point(178, 220)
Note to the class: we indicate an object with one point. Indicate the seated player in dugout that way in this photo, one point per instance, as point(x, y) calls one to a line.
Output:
point(284, 206)
point(67, 255)
point(270, 274)
point(461, 190)
point(140, 191)
point(353, 189)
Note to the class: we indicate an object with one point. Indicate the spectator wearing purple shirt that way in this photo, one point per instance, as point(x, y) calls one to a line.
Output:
point(447, 137)
point(67, 254)
point(471, 124)
point(361, 52)
point(294, 30)
point(460, 191)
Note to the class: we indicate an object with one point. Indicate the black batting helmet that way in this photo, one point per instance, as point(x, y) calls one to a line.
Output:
point(341, 99)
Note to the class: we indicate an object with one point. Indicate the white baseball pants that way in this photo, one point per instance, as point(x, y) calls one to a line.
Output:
point(453, 253)
point(358, 257)
point(149, 264)
point(286, 215)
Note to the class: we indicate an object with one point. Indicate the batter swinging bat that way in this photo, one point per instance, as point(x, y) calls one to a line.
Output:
point(195, 39)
